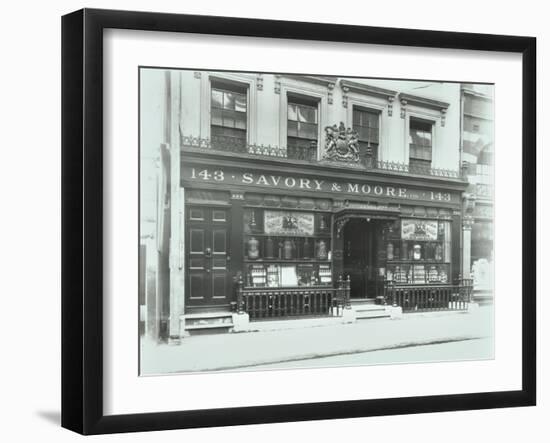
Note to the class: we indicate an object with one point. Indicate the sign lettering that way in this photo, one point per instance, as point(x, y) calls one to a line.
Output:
point(288, 182)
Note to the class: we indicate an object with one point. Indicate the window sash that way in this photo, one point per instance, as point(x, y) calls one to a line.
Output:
point(367, 125)
point(302, 113)
point(228, 109)
point(420, 141)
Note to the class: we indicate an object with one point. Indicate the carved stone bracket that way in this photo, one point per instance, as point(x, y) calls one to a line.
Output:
point(423, 102)
point(197, 74)
point(260, 82)
point(403, 108)
point(345, 91)
point(390, 105)
point(330, 89)
point(277, 88)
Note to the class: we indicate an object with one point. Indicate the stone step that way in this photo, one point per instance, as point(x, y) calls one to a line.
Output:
point(208, 322)
point(370, 311)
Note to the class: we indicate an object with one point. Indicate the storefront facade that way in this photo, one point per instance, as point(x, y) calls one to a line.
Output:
point(287, 192)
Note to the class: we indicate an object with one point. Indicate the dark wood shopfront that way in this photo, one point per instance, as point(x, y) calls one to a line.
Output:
point(345, 225)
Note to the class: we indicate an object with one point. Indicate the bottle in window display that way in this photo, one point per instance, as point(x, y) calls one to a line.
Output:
point(417, 252)
point(322, 250)
point(433, 275)
point(443, 275)
point(307, 249)
point(269, 248)
point(322, 223)
point(404, 251)
point(389, 251)
point(287, 249)
point(253, 250)
point(439, 252)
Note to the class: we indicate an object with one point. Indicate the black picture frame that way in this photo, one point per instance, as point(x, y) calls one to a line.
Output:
point(82, 215)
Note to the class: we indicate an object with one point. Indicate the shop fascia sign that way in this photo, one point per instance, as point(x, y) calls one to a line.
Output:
point(229, 177)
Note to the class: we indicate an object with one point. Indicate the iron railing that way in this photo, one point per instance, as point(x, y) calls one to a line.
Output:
point(415, 298)
point(277, 303)
point(309, 154)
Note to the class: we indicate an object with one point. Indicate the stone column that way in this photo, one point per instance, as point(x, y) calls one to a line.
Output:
point(468, 205)
point(177, 219)
point(467, 222)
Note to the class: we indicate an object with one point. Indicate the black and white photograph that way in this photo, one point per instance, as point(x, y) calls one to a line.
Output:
point(296, 221)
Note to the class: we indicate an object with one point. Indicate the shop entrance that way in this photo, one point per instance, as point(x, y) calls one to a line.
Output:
point(207, 283)
point(359, 257)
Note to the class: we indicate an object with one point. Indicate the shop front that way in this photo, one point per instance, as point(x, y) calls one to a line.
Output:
point(279, 241)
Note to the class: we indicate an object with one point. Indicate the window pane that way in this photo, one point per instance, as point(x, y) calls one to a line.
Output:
point(373, 120)
point(356, 117)
point(217, 98)
point(240, 120)
point(229, 100)
point(308, 130)
point(362, 133)
point(307, 114)
point(292, 128)
point(228, 118)
point(292, 112)
point(374, 135)
point(217, 116)
point(240, 102)
point(426, 138)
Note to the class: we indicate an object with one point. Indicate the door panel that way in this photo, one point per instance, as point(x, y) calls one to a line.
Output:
point(207, 276)
point(219, 284)
point(197, 285)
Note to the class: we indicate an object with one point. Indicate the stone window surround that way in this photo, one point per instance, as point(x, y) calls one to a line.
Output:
point(316, 92)
point(426, 109)
point(247, 81)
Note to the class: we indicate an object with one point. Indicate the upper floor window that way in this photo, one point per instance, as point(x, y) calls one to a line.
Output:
point(420, 145)
point(228, 117)
point(302, 128)
point(367, 125)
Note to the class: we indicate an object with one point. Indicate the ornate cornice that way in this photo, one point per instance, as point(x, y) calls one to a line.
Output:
point(476, 94)
point(327, 82)
point(364, 89)
point(423, 102)
point(318, 80)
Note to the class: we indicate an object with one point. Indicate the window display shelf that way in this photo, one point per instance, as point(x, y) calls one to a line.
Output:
point(420, 262)
point(290, 260)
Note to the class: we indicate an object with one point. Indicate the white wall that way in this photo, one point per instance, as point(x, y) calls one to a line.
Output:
point(30, 187)
point(267, 111)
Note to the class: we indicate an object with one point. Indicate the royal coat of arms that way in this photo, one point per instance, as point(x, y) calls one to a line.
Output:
point(341, 144)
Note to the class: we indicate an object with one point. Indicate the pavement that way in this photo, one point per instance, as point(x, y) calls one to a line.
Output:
point(237, 351)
